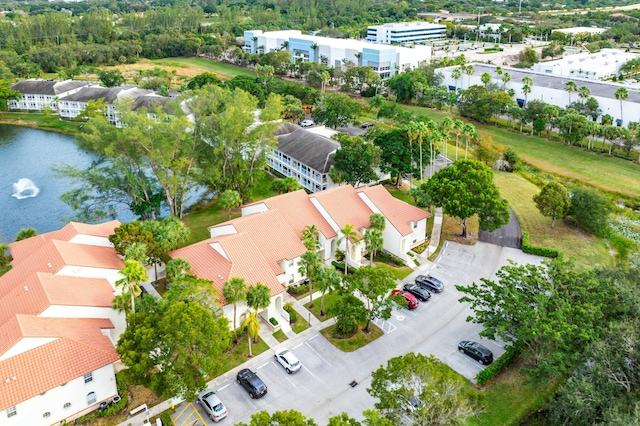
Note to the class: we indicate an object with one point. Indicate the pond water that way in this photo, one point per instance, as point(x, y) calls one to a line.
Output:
point(29, 191)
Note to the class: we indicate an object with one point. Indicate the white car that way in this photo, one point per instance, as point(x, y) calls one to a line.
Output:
point(212, 405)
point(306, 123)
point(288, 360)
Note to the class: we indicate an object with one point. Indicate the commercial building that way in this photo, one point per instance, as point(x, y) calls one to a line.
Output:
point(406, 32)
point(593, 66)
point(550, 88)
point(385, 60)
point(581, 30)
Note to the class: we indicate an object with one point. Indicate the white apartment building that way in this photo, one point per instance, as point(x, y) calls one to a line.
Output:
point(593, 66)
point(387, 61)
point(550, 88)
point(39, 94)
point(406, 32)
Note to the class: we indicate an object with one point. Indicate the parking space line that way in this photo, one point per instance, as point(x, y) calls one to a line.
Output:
point(263, 365)
point(312, 337)
point(409, 312)
point(308, 370)
point(297, 346)
point(319, 356)
point(224, 387)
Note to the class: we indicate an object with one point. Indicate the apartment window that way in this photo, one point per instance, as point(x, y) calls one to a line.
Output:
point(415, 225)
point(11, 411)
point(88, 378)
point(67, 405)
point(91, 398)
point(46, 415)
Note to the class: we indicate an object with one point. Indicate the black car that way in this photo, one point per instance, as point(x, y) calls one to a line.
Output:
point(419, 292)
point(252, 383)
point(430, 283)
point(366, 125)
point(476, 351)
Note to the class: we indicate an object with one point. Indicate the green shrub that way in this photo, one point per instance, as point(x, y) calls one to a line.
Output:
point(386, 257)
point(340, 267)
point(166, 418)
point(297, 290)
point(411, 254)
point(537, 250)
point(421, 247)
point(499, 365)
point(273, 321)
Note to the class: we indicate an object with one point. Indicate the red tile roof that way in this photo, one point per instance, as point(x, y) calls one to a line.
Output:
point(344, 206)
point(299, 212)
point(272, 235)
point(56, 362)
point(398, 213)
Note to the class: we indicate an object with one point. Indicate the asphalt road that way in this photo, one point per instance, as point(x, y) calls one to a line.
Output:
point(509, 235)
point(321, 389)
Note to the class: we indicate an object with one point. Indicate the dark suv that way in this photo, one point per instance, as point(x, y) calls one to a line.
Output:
point(476, 351)
point(431, 284)
point(252, 383)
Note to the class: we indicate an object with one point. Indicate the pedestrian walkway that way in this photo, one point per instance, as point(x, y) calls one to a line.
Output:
point(293, 339)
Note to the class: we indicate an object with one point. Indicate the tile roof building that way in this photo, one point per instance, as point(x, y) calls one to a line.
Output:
point(265, 244)
point(57, 327)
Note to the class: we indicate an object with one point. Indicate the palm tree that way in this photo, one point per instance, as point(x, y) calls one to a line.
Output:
point(376, 102)
point(458, 126)
point(234, 291)
point(485, 78)
point(446, 125)
point(314, 46)
point(470, 134)
point(310, 237)
point(621, 94)
point(570, 87)
point(350, 235)
point(229, 200)
point(583, 93)
point(506, 78)
point(285, 45)
point(310, 262)
point(252, 324)
point(527, 86)
point(412, 134)
point(327, 279)
point(431, 130)
point(469, 70)
point(456, 73)
point(499, 70)
point(373, 237)
point(133, 275)
point(325, 77)
point(4, 259)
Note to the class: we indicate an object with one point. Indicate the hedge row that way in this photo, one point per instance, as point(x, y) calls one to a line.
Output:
point(500, 364)
point(537, 250)
point(340, 267)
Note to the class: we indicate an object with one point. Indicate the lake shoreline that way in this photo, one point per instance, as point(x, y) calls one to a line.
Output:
point(5, 118)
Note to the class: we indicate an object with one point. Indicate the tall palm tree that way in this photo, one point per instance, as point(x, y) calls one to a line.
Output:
point(506, 78)
point(570, 87)
point(456, 73)
point(469, 132)
point(621, 94)
point(458, 126)
point(325, 77)
point(4, 259)
point(311, 237)
point(374, 242)
point(469, 70)
point(310, 262)
point(350, 236)
point(133, 275)
point(527, 86)
point(446, 126)
point(314, 46)
point(430, 130)
point(234, 291)
point(252, 324)
point(327, 279)
point(412, 134)
point(583, 93)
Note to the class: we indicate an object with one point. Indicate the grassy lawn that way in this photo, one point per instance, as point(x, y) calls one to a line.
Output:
point(329, 299)
point(587, 250)
point(239, 354)
point(224, 71)
point(198, 221)
point(280, 336)
point(397, 273)
point(41, 121)
point(554, 157)
point(298, 323)
point(354, 342)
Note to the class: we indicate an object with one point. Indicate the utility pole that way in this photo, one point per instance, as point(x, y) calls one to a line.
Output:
point(520, 7)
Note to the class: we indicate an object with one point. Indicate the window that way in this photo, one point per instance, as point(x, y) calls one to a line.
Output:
point(46, 415)
point(11, 411)
point(88, 377)
point(67, 405)
point(91, 398)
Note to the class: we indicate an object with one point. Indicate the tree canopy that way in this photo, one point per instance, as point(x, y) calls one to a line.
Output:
point(553, 201)
point(336, 110)
point(355, 161)
point(465, 189)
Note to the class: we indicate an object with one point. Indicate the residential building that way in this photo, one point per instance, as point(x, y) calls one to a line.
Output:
point(265, 244)
point(38, 94)
point(592, 66)
point(305, 155)
point(406, 32)
point(384, 60)
point(57, 327)
point(550, 88)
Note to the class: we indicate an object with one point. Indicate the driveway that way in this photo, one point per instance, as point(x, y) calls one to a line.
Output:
point(332, 381)
point(509, 235)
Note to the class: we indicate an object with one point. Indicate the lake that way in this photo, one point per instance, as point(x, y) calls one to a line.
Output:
point(29, 190)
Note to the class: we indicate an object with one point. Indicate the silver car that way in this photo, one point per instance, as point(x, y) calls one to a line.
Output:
point(212, 405)
point(288, 360)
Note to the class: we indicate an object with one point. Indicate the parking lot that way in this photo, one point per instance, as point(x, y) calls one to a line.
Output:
point(322, 388)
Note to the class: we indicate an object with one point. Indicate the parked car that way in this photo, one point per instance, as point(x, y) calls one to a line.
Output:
point(476, 351)
point(288, 360)
point(430, 283)
point(252, 383)
point(212, 405)
point(412, 302)
point(419, 292)
point(366, 125)
point(305, 123)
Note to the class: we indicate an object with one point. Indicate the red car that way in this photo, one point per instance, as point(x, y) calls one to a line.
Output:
point(411, 299)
